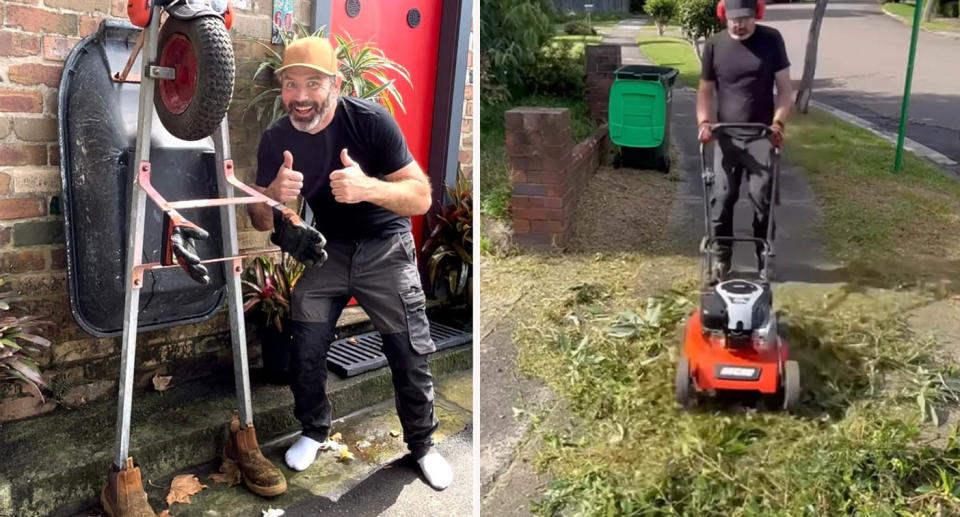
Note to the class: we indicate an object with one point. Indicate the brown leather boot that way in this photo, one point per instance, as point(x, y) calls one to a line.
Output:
point(260, 476)
point(124, 496)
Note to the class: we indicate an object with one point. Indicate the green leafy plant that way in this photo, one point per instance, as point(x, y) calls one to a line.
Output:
point(579, 27)
point(19, 337)
point(512, 32)
point(662, 11)
point(698, 20)
point(450, 243)
point(365, 70)
point(267, 287)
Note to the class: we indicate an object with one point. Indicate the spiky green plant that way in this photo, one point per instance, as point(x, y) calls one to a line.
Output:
point(19, 337)
point(268, 285)
point(364, 69)
point(450, 243)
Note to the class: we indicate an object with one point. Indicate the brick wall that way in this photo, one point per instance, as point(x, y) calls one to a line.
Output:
point(548, 172)
point(602, 61)
point(466, 127)
point(35, 38)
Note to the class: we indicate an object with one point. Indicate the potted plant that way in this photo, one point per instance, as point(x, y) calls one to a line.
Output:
point(364, 69)
point(19, 337)
point(267, 287)
point(449, 244)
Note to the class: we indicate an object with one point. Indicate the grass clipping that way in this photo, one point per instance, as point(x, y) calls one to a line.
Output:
point(864, 443)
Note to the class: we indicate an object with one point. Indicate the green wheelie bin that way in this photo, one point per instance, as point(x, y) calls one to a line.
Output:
point(640, 100)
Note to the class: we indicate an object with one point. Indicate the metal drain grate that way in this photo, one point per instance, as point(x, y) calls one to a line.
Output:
point(349, 359)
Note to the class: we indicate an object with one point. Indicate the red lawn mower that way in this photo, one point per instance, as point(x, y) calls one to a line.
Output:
point(732, 342)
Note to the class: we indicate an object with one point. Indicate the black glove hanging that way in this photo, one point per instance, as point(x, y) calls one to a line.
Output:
point(304, 243)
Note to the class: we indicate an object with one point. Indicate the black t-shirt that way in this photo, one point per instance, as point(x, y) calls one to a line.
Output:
point(744, 73)
point(371, 137)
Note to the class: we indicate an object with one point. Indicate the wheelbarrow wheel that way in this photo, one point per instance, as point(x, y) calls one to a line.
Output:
point(683, 385)
point(193, 104)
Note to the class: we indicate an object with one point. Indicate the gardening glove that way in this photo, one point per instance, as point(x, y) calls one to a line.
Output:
point(777, 133)
point(302, 242)
point(183, 240)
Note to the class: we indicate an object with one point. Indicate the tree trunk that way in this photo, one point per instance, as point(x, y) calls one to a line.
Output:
point(805, 91)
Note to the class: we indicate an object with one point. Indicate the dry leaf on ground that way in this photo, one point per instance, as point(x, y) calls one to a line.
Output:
point(345, 455)
point(394, 433)
point(161, 382)
point(165, 513)
point(352, 340)
point(182, 487)
point(337, 437)
point(229, 474)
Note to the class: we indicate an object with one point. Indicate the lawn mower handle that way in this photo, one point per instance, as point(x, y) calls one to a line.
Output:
point(707, 175)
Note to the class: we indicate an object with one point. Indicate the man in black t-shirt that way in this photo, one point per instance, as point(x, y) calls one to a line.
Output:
point(740, 67)
point(350, 162)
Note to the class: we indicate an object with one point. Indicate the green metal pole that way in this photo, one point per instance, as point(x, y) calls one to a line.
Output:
point(898, 161)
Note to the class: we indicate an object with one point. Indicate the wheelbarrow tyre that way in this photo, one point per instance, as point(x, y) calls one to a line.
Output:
point(193, 105)
point(683, 385)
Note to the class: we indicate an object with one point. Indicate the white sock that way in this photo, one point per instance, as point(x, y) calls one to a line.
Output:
point(436, 470)
point(301, 454)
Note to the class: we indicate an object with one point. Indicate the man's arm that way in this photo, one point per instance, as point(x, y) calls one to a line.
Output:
point(405, 191)
point(784, 96)
point(261, 215)
point(705, 97)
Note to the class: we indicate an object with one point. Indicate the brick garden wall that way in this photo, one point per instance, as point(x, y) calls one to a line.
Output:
point(35, 38)
point(548, 172)
point(602, 61)
point(466, 126)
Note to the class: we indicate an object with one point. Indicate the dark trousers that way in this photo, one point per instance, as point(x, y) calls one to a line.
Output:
point(734, 158)
point(382, 275)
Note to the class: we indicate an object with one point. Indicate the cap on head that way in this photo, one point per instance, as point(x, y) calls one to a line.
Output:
point(312, 52)
point(740, 9)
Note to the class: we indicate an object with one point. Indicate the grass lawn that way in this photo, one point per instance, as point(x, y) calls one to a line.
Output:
point(494, 166)
point(673, 52)
point(906, 11)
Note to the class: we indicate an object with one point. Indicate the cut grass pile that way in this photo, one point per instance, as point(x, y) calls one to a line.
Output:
point(863, 443)
point(494, 165)
point(906, 10)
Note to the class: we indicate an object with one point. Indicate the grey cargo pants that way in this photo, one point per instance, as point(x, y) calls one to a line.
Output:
point(381, 273)
point(732, 159)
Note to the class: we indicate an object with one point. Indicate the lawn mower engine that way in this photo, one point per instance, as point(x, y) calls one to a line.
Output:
point(740, 310)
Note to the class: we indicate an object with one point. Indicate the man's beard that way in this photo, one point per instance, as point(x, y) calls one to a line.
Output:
point(741, 34)
point(313, 118)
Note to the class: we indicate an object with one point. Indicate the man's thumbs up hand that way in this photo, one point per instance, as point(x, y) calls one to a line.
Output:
point(286, 186)
point(350, 184)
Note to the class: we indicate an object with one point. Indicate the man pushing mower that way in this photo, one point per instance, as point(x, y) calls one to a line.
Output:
point(740, 67)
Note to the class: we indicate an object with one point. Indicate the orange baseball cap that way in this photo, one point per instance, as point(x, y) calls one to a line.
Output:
point(312, 52)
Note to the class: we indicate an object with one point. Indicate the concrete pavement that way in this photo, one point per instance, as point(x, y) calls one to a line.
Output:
point(862, 64)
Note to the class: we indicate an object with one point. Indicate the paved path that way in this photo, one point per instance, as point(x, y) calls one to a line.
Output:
point(862, 65)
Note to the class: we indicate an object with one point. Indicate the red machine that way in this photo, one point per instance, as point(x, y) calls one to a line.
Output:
point(732, 340)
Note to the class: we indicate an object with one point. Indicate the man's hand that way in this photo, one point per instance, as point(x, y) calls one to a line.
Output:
point(704, 134)
point(350, 184)
point(777, 133)
point(286, 186)
point(304, 243)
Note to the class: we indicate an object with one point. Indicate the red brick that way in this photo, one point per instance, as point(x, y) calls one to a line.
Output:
point(538, 214)
point(24, 101)
point(33, 74)
point(18, 154)
point(21, 208)
point(58, 258)
point(546, 178)
point(521, 225)
point(53, 154)
point(18, 44)
point(32, 19)
point(5, 236)
point(88, 25)
point(21, 262)
point(57, 48)
point(4, 183)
